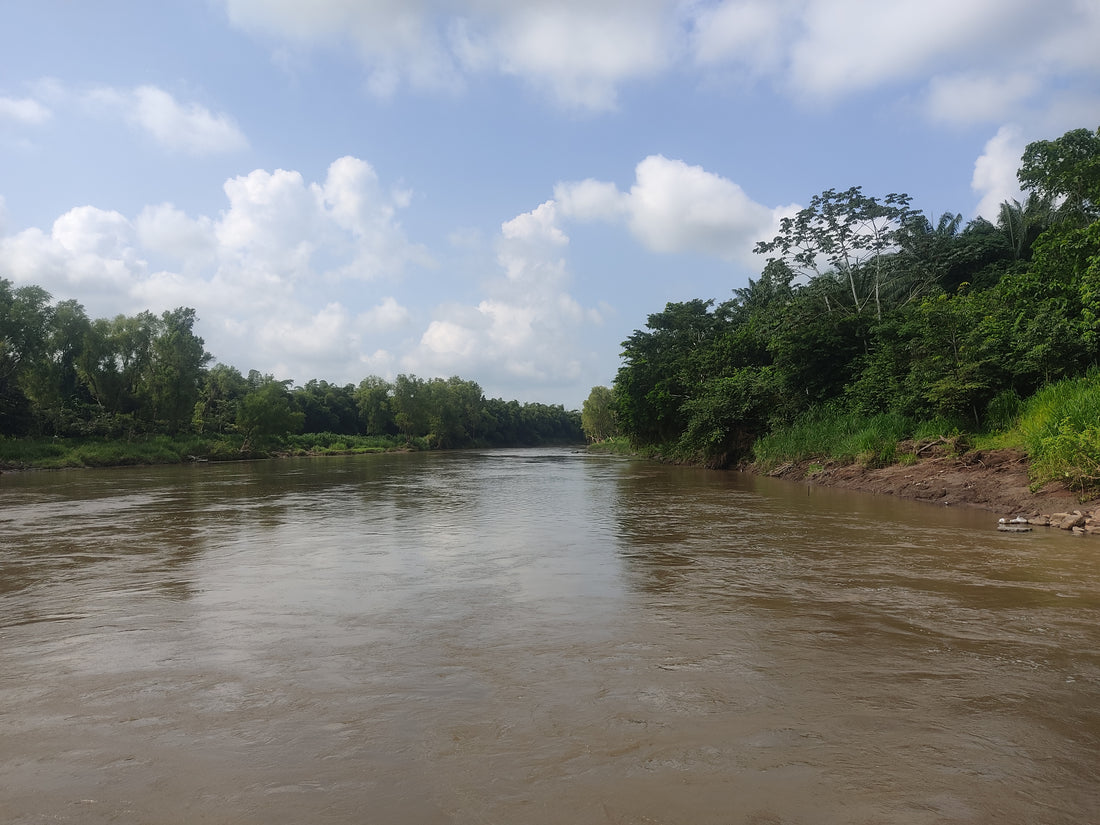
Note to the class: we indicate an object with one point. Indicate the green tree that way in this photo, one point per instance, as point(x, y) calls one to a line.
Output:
point(266, 412)
point(372, 399)
point(328, 407)
point(25, 315)
point(853, 235)
point(223, 387)
point(115, 359)
point(173, 382)
point(52, 383)
point(661, 369)
point(410, 403)
point(1065, 169)
point(598, 415)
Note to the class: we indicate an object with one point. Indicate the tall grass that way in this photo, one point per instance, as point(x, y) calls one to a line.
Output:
point(56, 453)
point(1060, 428)
point(335, 443)
point(840, 436)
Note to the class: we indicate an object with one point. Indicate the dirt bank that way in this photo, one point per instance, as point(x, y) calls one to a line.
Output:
point(994, 480)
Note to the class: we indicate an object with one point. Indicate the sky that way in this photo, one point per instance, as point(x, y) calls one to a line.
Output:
point(501, 190)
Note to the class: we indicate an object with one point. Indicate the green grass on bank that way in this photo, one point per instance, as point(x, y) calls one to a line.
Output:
point(58, 453)
point(1058, 428)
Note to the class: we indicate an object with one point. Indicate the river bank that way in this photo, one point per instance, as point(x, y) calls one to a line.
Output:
point(994, 480)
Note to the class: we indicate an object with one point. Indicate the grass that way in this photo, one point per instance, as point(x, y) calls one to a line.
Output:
point(1060, 429)
point(58, 453)
point(842, 437)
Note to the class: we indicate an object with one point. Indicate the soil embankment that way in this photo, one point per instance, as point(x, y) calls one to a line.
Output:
point(995, 480)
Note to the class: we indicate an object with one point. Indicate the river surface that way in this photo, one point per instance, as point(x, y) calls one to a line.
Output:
point(533, 636)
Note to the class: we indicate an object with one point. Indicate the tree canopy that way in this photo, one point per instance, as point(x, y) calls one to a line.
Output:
point(866, 304)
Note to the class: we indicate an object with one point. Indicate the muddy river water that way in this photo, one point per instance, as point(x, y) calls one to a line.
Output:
point(533, 636)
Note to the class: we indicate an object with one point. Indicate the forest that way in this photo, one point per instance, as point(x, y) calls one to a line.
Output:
point(870, 314)
point(68, 383)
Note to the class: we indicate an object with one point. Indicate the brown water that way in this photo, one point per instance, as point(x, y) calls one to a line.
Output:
point(533, 637)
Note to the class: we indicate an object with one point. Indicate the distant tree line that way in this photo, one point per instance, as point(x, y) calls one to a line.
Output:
point(63, 374)
point(867, 305)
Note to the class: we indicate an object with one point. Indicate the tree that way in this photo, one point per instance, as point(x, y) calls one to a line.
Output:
point(410, 405)
point(52, 382)
point(662, 368)
point(1066, 169)
point(175, 371)
point(115, 359)
point(328, 408)
point(598, 415)
point(372, 399)
point(266, 411)
point(223, 387)
point(25, 314)
point(852, 234)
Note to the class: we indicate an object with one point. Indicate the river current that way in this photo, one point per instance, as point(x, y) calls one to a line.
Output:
point(533, 636)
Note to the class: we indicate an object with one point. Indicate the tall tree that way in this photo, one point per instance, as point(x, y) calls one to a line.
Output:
point(849, 233)
point(175, 371)
point(1066, 169)
point(598, 415)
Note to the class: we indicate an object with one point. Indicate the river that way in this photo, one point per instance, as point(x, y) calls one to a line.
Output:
point(533, 636)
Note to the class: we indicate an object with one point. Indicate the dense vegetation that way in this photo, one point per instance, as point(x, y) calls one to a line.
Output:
point(78, 391)
point(871, 320)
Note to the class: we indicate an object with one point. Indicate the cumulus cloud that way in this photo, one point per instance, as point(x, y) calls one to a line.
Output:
point(529, 326)
point(994, 178)
point(261, 274)
point(675, 207)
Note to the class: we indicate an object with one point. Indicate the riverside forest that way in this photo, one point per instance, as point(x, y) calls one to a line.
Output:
point(873, 327)
point(139, 389)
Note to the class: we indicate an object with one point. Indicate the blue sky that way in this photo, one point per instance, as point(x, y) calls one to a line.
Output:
point(497, 189)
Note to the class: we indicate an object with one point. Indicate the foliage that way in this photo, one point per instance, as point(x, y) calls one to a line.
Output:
point(132, 378)
point(834, 434)
point(1066, 168)
point(851, 235)
point(598, 415)
point(1060, 425)
point(872, 323)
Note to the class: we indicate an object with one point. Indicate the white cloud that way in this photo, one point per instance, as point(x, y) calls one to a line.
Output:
point(581, 52)
point(675, 207)
point(23, 110)
point(261, 275)
point(188, 128)
point(995, 171)
point(529, 327)
point(386, 316)
point(750, 32)
point(978, 98)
